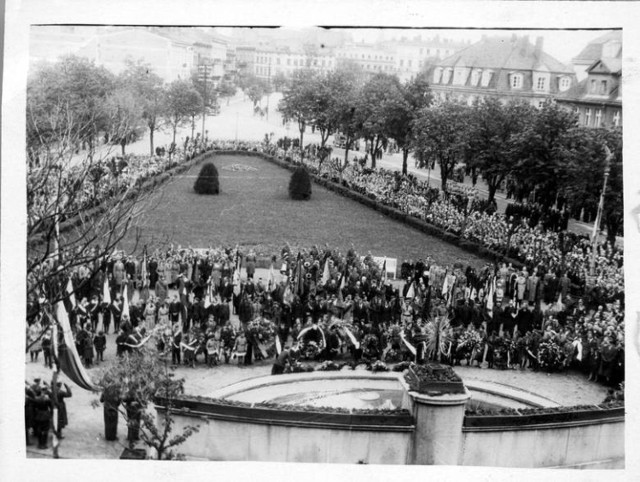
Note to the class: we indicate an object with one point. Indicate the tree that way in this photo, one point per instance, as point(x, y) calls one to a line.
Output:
point(125, 115)
point(149, 89)
point(300, 184)
point(585, 174)
point(183, 102)
point(140, 378)
point(226, 90)
point(440, 134)
point(67, 99)
point(376, 98)
point(402, 110)
point(493, 127)
point(207, 182)
point(542, 150)
point(298, 102)
point(279, 81)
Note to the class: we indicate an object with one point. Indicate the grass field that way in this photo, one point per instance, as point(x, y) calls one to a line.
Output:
point(254, 210)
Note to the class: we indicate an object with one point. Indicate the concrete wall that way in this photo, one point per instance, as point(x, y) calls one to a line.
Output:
point(596, 445)
point(249, 441)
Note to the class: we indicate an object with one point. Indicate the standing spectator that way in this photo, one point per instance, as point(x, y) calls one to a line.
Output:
point(63, 419)
point(100, 344)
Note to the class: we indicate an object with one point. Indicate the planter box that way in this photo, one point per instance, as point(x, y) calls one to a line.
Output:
point(133, 454)
point(424, 385)
point(559, 417)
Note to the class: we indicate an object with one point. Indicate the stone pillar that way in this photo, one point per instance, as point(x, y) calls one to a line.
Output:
point(438, 434)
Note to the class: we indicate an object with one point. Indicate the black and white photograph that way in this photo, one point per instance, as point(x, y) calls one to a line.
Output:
point(382, 246)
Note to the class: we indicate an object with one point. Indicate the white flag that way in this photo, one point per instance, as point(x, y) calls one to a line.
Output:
point(106, 294)
point(125, 305)
point(72, 296)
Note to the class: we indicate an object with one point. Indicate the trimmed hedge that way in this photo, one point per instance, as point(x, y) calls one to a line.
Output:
point(207, 182)
point(300, 185)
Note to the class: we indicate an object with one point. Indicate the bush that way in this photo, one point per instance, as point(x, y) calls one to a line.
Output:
point(207, 182)
point(300, 184)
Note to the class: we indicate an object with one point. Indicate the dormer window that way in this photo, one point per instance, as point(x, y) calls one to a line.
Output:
point(447, 76)
point(475, 77)
point(516, 81)
point(437, 74)
point(565, 83)
point(486, 77)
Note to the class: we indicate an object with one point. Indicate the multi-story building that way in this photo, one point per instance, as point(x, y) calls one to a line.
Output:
point(245, 59)
point(607, 46)
point(371, 58)
point(502, 67)
point(416, 55)
point(271, 61)
point(597, 98)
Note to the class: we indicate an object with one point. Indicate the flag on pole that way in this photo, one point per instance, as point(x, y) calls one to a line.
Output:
point(384, 271)
point(352, 338)
point(106, 293)
point(271, 279)
point(490, 297)
point(207, 298)
point(410, 292)
point(125, 303)
point(411, 348)
point(72, 296)
point(326, 275)
point(445, 285)
point(299, 277)
point(143, 269)
point(68, 357)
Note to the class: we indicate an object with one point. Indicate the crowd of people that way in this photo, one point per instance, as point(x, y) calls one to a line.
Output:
point(325, 304)
point(195, 307)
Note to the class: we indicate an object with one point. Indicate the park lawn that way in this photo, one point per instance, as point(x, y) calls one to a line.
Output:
point(253, 209)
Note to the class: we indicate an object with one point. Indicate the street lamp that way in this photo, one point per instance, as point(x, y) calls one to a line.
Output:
point(596, 226)
point(203, 72)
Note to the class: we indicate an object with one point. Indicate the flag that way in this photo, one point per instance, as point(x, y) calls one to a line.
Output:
point(299, 276)
point(125, 303)
point(352, 338)
point(106, 294)
point(445, 285)
point(271, 279)
point(326, 276)
point(490, 297)
point(278, 345)
point(207, 298)
point(68, 357)
point(410, 293)
point(384, 270)
point(143, 269)
point(72, 296)
point(411, 348)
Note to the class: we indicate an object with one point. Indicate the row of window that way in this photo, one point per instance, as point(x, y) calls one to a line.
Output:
point(595, 117)
point(482, 77)
point(302, 62)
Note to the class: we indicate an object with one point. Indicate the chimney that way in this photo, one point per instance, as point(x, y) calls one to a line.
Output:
point(539, 43)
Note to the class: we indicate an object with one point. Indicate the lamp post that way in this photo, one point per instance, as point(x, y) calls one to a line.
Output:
point(203, 72)
point(596, 226)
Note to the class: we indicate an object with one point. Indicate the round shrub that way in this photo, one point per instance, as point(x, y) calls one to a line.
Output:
point(300, 184)
point(207, 182)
